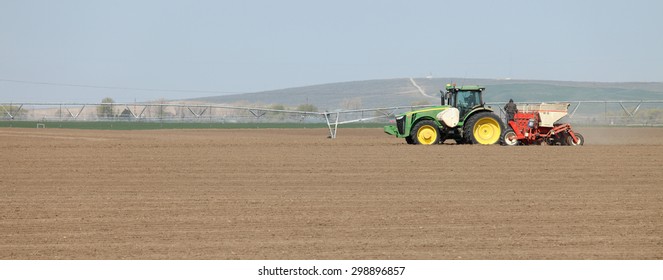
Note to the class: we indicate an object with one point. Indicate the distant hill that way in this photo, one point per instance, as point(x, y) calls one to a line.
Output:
point(395, 92)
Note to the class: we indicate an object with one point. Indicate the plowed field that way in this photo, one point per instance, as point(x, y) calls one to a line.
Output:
point(294, 194)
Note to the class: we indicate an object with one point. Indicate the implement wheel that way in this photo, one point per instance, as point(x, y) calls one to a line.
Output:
point(425, 132)
point(581, 140)
point(483, 128)
point(510, 138)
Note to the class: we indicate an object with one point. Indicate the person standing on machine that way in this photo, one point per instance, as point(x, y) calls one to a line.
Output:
point(511, 109)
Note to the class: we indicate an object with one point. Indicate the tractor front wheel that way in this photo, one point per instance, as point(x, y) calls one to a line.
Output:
point(483, 128)
point(425, 132)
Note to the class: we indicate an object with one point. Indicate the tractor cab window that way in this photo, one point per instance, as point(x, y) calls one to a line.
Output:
point(466, 100)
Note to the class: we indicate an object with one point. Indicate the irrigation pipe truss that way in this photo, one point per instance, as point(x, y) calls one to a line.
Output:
point(72, 111)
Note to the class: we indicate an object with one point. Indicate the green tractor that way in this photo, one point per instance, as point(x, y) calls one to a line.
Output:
point(462, 116)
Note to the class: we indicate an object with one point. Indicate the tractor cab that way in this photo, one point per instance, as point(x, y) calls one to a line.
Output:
point(464, 98)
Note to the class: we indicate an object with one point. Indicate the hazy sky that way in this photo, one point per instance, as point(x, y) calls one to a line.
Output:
point(59, 51)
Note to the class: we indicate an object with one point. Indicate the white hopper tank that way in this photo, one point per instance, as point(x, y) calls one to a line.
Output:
point(549, 113)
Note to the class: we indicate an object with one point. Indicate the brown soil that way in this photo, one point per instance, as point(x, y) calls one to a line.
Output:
point(294, 194)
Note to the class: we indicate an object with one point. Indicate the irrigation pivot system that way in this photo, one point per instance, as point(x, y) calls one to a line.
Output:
point(585, 112)
point(187, 113)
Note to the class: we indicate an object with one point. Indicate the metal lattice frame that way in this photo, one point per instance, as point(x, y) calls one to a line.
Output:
point(168, 112)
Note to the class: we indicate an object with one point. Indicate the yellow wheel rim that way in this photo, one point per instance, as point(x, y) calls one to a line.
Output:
point(487, 131)
point(427, 135)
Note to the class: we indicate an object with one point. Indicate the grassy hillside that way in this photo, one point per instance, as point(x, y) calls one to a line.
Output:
point(394, 92)
point(373, 93)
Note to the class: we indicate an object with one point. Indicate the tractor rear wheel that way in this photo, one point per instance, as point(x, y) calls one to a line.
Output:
point(409, 140)
point(570, 142)
point(425, 132)
point(483, 128)
point(510, 138)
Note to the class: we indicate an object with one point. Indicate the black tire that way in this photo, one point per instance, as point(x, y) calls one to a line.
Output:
point(581, 140)
point(488, 128)
point(455, 135)
point(557, 140)
point(425, 132)
point(409, 140)
point(509, 138)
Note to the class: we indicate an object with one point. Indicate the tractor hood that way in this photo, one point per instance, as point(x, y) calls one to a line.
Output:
point(406, 120)
point(430, 110)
